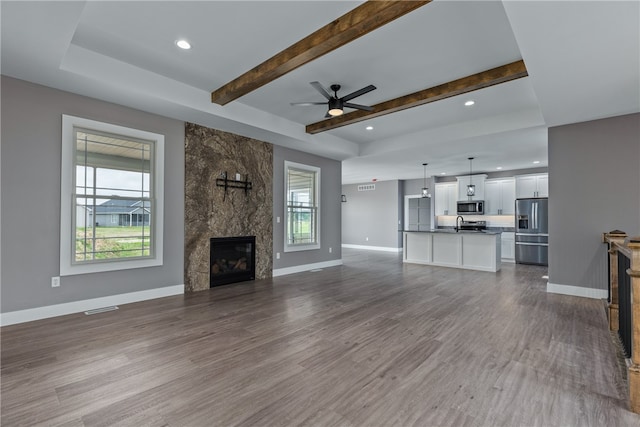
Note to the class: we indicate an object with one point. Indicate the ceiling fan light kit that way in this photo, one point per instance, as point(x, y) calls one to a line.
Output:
point(336, 107)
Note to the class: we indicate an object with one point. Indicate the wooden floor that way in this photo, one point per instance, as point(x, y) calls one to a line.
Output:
point(370, 343)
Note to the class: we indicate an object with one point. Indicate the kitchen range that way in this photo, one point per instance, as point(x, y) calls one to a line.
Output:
point(470, 225)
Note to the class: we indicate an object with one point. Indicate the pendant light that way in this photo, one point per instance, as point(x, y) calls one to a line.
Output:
point(425, 189)
point(471, 189)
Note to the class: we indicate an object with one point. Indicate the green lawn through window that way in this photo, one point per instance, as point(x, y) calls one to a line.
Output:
point(112, 242)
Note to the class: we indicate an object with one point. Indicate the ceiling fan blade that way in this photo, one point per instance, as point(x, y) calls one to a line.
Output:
point(321, 89)
point(358, 93)
point(308, 103)
point(358, 106)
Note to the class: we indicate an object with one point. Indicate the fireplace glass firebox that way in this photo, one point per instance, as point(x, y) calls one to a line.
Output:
point(232, 259)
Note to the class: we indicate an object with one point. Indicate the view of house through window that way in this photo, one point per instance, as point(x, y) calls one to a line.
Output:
point(302, 190)
point(113, 203)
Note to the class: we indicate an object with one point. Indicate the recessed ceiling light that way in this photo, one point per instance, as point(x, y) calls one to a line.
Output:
point(443, 173)
point(499, 167)
point(183, 44)
point(369, 128)
point(535, 162)
point(469, 103)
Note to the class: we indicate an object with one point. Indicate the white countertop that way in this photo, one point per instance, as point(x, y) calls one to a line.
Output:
point(451, 231)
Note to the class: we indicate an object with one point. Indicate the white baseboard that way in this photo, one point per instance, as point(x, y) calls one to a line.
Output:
point(577, 291)
point(305, 267)
point(28, 315)
point(372, 248)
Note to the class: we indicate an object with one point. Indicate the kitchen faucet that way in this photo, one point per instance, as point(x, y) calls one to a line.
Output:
point(457, 226)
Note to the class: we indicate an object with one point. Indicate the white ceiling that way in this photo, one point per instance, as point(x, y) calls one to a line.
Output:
point(583, 59)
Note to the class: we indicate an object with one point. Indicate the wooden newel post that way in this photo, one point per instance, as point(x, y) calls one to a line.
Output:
point(612, 238)
point(634, 370)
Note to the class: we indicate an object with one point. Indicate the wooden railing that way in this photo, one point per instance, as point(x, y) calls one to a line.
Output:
point(624, 303)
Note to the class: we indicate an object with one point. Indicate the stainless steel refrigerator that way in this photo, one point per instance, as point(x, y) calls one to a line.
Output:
point(532, 231)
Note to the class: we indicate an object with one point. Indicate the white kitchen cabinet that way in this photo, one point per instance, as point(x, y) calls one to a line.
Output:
point(536, 185)
point(508, 246)
point(477, 180)
point(499, 196)
point(446, 195)
point(543, 185)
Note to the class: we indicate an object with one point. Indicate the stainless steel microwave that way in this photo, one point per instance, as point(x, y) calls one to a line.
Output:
point(472, 207)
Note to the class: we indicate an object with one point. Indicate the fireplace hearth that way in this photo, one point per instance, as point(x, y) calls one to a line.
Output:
point(232, 260)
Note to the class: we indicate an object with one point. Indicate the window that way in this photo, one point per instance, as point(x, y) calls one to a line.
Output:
point(302, 204)
point(112, 197)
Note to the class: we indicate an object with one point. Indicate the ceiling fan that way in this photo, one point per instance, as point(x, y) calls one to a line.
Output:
point(336, 105)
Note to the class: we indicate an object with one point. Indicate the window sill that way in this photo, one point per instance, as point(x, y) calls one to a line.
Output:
point(99, 267)
point(301, 248)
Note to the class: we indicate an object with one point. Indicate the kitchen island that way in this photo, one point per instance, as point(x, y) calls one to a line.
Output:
point(471, 250)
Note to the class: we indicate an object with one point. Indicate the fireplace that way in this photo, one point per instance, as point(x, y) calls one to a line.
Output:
point(232, 259)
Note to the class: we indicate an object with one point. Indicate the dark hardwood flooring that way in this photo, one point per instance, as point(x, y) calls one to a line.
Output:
point(370, 343)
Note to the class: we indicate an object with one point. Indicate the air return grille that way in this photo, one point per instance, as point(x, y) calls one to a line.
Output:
point(101, 310)
point(366, 187)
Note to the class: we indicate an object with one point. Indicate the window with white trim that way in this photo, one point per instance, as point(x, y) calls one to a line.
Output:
point(112, 197)
point(302, 207)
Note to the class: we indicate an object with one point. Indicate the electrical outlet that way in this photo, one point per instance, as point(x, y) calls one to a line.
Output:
point(277, 255)
point(330, 250)
point(278, 219)
point(55, 282)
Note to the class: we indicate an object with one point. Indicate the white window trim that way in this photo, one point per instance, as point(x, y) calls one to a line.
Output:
point(308, 247)
point(67, 267)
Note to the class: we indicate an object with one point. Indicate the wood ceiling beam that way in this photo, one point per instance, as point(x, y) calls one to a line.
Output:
point(481, 80)
point(350, 26)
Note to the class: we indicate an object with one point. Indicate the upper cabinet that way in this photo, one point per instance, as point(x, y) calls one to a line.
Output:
point(499, 196)
point(446, 195)
point(536, 185)
point(477, 180)
point(543, 185)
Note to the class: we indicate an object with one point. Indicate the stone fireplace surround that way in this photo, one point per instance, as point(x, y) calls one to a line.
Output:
point(209, 213)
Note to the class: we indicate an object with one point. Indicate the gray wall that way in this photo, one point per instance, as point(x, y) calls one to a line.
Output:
point(373, 214)
point(31, 152)
point(413, 187)
point(594, 187)
point(330, 205)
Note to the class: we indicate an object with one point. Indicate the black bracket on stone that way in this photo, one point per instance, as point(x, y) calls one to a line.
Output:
point(245, 185)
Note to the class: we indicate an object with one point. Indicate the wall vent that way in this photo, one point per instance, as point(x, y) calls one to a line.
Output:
point(366, 187)
point(101, 310)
